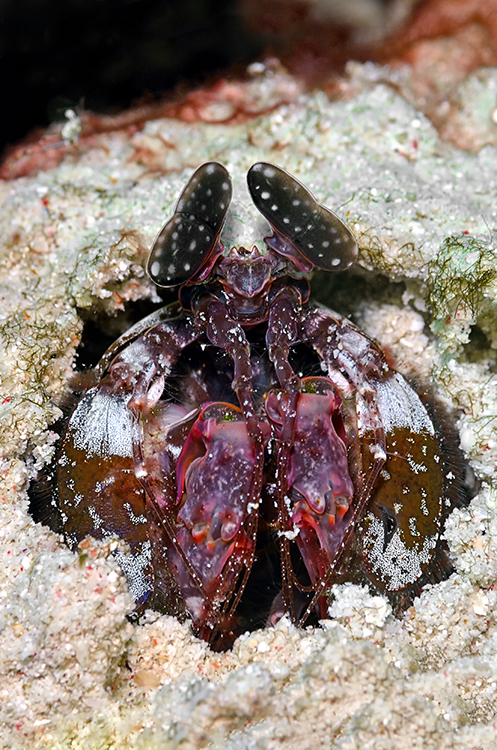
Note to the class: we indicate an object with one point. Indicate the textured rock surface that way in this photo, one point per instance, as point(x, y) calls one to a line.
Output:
point(74, 672)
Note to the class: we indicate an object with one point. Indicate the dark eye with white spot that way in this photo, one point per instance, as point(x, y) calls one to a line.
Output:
point(183, 245)
point(317, 233)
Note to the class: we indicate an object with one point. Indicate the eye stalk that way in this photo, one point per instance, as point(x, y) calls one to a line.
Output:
point(299, 221)
point(188, 245)
point(187, 241)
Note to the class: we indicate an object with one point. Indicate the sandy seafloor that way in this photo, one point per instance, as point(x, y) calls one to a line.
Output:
point(74, 673)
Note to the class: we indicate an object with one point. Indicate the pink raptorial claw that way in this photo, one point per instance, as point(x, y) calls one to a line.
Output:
point(319, 487)
point(215, 487)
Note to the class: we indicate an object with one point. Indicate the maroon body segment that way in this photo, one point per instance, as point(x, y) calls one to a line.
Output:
point(212, 448)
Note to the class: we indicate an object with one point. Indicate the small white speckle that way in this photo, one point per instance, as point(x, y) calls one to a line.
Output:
point(265, 195)
point(292, 534)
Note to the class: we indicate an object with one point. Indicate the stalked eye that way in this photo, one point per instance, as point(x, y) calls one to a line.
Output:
point(187, 240)
point(317, 233)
